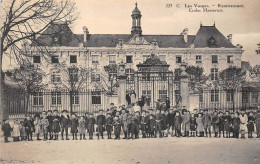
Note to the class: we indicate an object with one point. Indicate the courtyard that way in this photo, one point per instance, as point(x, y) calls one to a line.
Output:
point(142, 151)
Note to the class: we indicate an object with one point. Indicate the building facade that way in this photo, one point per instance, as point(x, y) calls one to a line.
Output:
point(209, 49)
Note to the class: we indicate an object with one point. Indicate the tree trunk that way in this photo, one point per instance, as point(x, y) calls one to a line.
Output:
point(3, 103)
point(27, 104)
point(233, 102)
point(71, 110)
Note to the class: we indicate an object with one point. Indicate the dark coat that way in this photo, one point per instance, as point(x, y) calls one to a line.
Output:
point(29, 126)
point(6, 128)
point(250, 125)
point(50, 119)
point(109, 124)
point(193, 124)
point(65, 122)
point(101, 120)
point(227, 122)
point(151, 125)
point(170, 119)
point(91, 122)
point(56, 124)
point(164, 122)
point(74, 125)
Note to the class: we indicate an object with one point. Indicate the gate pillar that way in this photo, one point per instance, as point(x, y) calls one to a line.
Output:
point(122, 84)
point(184, 87)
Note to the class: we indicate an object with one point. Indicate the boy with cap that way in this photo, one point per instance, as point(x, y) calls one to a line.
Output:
point(193, 125)
point(29, 127)
point(65, 122)
point(6, 128)
point(250, 125)
point(74, 126)
point(143, 124)
point(227, 124)
point(206, 119)
point(221, 124)
point(236, 125)
point(170, 121)
point(151, 126)
point(186, 123)
point(164, 122)
point(158, 125)
point(50, 119)
point(44, 124)
point(101, 122)
point(117, 127)
point(124, 118)
point(91, 122)
point(109, 125)
point(177, 124)
point(82, 128)
point(56, 124)
point(215, 123)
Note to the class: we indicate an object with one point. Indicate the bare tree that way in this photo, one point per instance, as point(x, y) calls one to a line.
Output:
point(29, 78)
point(230, 79)
point(23, 21)
point(197, 79)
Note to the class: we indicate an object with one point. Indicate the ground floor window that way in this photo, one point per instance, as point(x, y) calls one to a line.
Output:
point(96, 97)
point(56, 98)
point(254, 98)
point(230, 95)
point(201, 96)
point(245, 97)
point(75, 98)
point(162, 94)
point(214, 95)
point(37, 98)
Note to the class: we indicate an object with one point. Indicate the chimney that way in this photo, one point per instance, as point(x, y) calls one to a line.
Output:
point(185, 34)
point(229, 37)
point(86, 32)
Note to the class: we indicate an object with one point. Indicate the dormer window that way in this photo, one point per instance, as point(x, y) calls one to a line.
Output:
point(212, 42)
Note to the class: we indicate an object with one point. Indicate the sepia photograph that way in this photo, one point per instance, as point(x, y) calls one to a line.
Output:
point(130, 81)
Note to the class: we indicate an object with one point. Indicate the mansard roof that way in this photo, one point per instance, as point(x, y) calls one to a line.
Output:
point(206, 33)
point(67, 38)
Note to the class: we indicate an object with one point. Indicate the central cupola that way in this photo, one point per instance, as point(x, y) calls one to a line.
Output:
point(136, 21)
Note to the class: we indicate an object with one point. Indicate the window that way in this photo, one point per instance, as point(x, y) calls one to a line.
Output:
point(163, 76)
point(95, 77)
point(73, 59)
point(245, 97)
point(198, 59)
point(229, 59)
point(96, 97)
point(129, 59)
point(214, 58)
point(112, 59)
point(55, 76)
point(36, 59)
point(145, 57)
point(95, 59)
point(146, 76)
point(162, 58)
point(37, 77)
point(201, 96)
point(162, 94)
point(146, 93)
point(56, 98)
point(214, 74)
point(214, 96)
point(130, 74)
point(55, 59)
point(73, 74)
point(230, 95)
point(37, 98)
point(75, 98)
point(178, 59)
point(254, 97)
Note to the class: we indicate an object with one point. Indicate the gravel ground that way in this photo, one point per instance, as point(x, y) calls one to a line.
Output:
point(159, 150)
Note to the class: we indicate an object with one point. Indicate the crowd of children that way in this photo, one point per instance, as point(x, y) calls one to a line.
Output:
point(149, 124)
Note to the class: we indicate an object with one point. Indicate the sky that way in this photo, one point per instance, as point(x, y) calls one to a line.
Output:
point(114, 17)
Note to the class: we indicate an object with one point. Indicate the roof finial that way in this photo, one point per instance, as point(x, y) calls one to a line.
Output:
point(136, 4)
point(214, 24)
point(200, 23)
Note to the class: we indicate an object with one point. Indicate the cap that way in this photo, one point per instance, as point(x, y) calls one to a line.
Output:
point(64, 111)
point(5, 119)
point(55, 110)
point(100, 110)
point(50, 111)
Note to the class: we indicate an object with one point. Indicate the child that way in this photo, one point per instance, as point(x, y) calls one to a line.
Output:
point(243, 121)
point(236, 124)
point(221, 124)
point(91, 122)
point(200, 127)
point(29, 127)
point(151, 126)
point(65, 122)
point(135, 126)
point(192, 125)
point(6, 128)
point(170, 122)
point(55, 124)
point(37, 124)
point(186, 123)
point(215, 123)
point(143, 124)
point(74, 126)
point(250, 125)
point(109, 125)
point(16, 131)
point(117, 127)
point(44, 124)
point(227, 124)
point(50, 128)
point(257, 124)
point(206, 119)
point(164, 121)
point(82, 128)
point(22, 131)
point(158, 125)
point(101, 121)
point(177, 124)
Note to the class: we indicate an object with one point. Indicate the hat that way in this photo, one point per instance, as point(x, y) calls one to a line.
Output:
point(123, 109)
point(108, 113)
point(91, 113)
point(100, 110)
point(87, 113)
point(43, 111)
point(64, 111)
point(5, 119)
point(205, 110)
point(55, 110)
point(50, 111)
point(117, 116)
